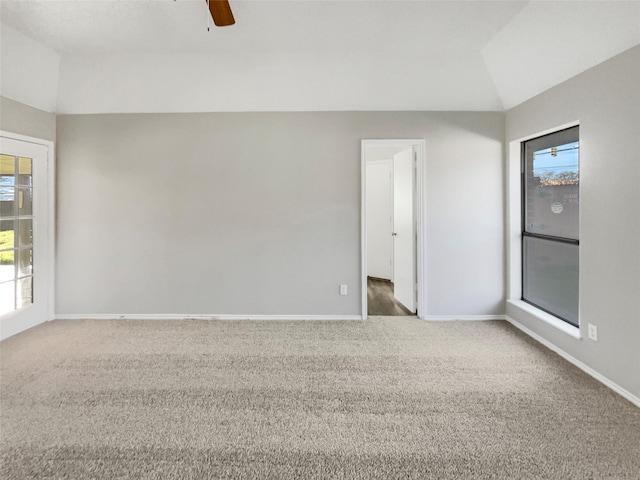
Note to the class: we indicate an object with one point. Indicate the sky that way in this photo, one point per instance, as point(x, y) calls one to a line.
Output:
point(566, 159)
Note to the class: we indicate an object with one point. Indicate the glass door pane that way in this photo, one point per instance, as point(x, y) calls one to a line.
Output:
point(8, 220)
point(24, 235)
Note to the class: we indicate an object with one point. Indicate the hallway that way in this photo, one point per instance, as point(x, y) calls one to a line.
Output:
point(380, 299)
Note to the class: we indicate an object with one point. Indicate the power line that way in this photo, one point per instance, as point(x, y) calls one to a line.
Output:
point(549, 151)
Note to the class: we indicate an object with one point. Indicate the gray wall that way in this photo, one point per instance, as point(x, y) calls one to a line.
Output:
point(259, 213)
point(606, 101)
point(16, 117)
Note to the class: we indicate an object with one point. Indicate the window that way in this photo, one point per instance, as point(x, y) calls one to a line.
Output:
point(16, 233)
point(550, 223)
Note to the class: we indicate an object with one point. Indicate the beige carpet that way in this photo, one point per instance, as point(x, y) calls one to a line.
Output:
point(387, 398)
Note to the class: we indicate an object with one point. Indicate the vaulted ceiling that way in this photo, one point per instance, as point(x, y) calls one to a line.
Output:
point(97, 56)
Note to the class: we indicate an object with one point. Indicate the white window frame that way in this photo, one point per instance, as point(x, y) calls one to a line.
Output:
point(514, 234)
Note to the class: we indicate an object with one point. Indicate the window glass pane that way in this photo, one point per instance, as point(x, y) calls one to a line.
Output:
point(25, 201)
point(7, 182)
point(552, 181)
point(16, 232)
point(25, 171)
point(551, 277)
point(7, 201)
point(7, 265)
point(7, 169)
point(24, 294)
point(7, 233)
point(25, 232)
point(7, 297)
point(25, 262)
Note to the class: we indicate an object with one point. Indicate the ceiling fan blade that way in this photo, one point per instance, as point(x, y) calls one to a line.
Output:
point(221, 12)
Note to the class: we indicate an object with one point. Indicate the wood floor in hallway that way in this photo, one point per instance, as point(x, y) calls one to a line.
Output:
point(380, 299)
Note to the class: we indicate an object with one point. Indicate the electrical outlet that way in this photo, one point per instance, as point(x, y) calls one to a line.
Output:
point(593, 332)
point(343, 289)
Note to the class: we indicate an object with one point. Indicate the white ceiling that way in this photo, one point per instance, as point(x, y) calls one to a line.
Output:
point(166, 26)
point(142, 55)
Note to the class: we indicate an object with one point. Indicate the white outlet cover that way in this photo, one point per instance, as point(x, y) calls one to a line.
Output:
point(593, 332)
point(343, 289)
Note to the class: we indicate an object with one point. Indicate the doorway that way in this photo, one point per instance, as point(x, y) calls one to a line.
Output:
point(26, 237)
point(391, 230)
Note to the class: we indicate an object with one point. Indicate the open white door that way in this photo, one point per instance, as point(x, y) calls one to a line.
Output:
point(404, 248)
point(379, 214)
point(25, 236)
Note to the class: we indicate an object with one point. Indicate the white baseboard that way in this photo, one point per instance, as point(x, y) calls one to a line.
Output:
point(585, 368)
point(466, 318)
point(164, 316)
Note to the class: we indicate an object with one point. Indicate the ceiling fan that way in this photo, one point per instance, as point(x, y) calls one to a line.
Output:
point(221, 12)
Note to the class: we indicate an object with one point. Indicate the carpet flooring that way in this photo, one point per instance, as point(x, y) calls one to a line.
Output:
point(389, 398)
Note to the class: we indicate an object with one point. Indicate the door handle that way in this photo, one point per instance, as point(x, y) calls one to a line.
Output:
point(393, 234)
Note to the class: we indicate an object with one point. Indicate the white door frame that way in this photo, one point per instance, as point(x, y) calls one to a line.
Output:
point(420, 208)
point(50, 245)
